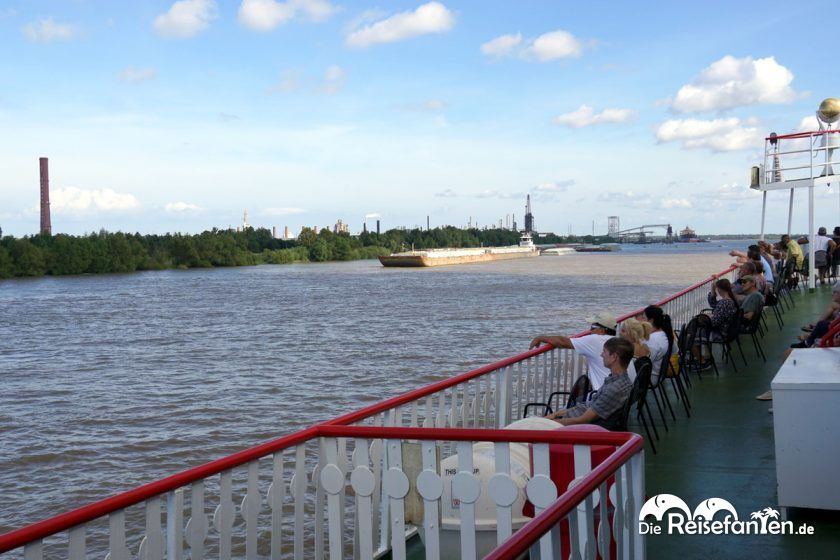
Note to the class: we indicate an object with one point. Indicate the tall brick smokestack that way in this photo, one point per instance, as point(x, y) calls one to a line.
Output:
point(46, 223)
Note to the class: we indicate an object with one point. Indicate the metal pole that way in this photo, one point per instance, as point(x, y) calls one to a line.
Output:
point(763, 211)
point(790, 211)
point(811, 239)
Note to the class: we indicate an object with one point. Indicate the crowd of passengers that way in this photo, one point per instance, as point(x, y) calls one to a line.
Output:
point(610, 351)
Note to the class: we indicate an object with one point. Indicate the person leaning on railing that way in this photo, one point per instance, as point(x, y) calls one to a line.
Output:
point(602, 328)
point(608, 403)
point(761, 262)
point(793, 250)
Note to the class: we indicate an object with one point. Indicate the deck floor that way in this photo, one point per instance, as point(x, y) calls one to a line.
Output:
point(726, 450)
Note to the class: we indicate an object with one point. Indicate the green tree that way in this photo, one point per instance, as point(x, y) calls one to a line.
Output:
point(28, 258)
point(7, 265)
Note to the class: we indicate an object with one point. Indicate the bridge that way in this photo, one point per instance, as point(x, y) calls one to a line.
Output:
point(640, 234)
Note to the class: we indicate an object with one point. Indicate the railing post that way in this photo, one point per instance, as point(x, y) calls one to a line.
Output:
point(542, 492)
point(332, 482)
point(637, 496)
point(364, 483)
point(430, 487)
point(395, 488)
point(503, 396)
point(174, 519)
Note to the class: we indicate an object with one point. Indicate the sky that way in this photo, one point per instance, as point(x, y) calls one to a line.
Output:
point(161, 116)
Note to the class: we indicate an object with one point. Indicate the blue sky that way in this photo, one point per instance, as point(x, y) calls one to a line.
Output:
point(178, 116)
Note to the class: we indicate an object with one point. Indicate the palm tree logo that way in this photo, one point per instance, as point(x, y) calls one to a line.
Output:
point(764, 515)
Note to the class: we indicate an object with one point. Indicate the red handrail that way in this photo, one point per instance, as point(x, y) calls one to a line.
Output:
point(529, 533)
point(64, 521)
point(474, 434)
point(794, 135)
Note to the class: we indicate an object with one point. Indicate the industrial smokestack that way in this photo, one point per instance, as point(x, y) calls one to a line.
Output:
point(46, 223)
point(377, 227)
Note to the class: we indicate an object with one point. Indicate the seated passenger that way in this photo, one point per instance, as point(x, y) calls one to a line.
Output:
point(724, 308)
point(661, 338)
point(637, 333)
point(818, 329)
point(602, 328)
point(607, 405)
point(748, 269)
point(824, 246)
point(753, 301)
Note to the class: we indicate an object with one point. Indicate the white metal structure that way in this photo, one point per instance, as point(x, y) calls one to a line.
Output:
point(803, 160)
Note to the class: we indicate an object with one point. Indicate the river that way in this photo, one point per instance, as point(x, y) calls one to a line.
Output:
point(111, 381)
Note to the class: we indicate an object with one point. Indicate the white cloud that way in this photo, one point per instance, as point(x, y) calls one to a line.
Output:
point(447, 193)
point(808, 124)
point(545, 192)
point(432, 17)
point(626, 198)
point(289, 82)
point(282, 211)
point(427, 106)
point(726, 197)
point(555, 187)
point(48, 30)
point(669, 203)
point(135, 75)
point(265, 15)
point(736, 82)
point(501, 46)
point(186, 18)
point(333, 80)
point(554, 45)
point(372, 215)
point(719, 135)
point(586, 116)
point(73, 199)
point(182, 207)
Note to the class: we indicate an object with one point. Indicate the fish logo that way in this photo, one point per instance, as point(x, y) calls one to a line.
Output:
point(708, 508)
point(659, 504)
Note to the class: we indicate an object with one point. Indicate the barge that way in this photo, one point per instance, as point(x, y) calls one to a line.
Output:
point(442, 257)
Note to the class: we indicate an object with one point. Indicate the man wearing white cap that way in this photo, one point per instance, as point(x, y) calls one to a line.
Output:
point(601, 329)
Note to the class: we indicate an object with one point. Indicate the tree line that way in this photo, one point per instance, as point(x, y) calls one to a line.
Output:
point(107, 252)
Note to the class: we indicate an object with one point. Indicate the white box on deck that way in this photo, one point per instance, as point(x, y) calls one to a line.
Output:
point(806, 420)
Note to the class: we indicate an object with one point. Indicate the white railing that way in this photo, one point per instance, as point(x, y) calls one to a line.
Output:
point(323, 498)
point(800, 156)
